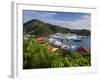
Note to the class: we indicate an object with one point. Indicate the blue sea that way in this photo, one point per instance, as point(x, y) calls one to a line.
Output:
point(85, 42)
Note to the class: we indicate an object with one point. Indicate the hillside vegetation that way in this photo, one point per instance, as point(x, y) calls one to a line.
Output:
point(37, 27)
point(38, 56)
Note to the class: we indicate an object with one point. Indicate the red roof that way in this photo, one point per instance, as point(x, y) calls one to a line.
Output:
point(82, 50)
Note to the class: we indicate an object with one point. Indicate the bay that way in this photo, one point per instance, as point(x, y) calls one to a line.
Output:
point(85, 43)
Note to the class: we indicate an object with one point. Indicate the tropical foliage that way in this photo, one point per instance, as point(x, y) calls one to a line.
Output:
point(37, 55)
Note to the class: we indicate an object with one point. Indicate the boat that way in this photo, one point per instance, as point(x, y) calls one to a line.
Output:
point(68, 47)
point(77, 40)
point(71, 36)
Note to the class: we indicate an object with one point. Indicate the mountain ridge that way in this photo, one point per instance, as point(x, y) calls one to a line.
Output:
point(38, 27)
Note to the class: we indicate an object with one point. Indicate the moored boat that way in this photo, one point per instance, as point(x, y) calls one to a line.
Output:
point(77, 40)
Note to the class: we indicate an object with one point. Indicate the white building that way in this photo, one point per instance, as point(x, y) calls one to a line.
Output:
point(71, 36)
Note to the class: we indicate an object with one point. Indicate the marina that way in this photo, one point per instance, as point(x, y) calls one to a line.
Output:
point(70, 42)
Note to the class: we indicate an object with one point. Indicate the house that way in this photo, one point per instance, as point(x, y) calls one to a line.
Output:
point(41, 40)
point(83, 50)
point(52, 49)
point(26, 36)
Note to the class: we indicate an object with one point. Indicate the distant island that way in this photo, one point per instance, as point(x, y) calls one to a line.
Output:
point(37, 27)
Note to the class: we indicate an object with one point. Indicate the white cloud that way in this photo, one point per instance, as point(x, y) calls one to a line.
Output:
point(44, 14)
point(83, 23)
point(28, 15)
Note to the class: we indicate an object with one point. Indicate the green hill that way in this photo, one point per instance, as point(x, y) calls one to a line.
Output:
point(37, 27)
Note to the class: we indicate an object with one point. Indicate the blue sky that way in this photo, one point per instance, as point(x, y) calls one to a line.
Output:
point(70, 20)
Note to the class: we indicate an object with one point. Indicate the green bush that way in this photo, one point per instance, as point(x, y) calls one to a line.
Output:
point(37, 55)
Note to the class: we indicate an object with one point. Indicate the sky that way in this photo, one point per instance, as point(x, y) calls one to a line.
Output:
point(70, 20)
